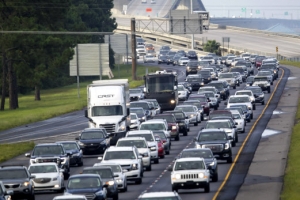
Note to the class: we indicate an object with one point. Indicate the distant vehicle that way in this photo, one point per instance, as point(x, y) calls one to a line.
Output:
point(149, 47)
point(159, 195)
point(70, 197)
point(149, 58)
point(153, 2)
point(136, 94)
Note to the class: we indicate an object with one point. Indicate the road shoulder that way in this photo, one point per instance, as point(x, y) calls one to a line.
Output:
point(265, 175)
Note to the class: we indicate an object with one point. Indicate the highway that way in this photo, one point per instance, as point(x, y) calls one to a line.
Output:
point(248, 41)
point(158, 179)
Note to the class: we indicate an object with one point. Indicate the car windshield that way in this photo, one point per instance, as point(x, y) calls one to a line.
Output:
point(201, 99)
point(197, 153)
point(181, 88)
point(104, 173)
point(189, 165)
point(244, 93)
point(184, 58)
point(264, 73)
point(194, 79)
point(207, 94)
point(238, 100)
point(160, 134)
point(149, 56)
point(179, 115)
point(225, 76)
point(250, 79)
point(193, 103)
point(203, 62)
point(239, 109)
point(153, 126)
point(143, 105)
point(212, 136)
point(272, 67)
point(107, 110)
point(256, 90)
point(48, 150)
point(135, 91)
point(219, 86)
point(131, 143)
point(116, 155)
point(212, 124)
point(218, 114)
point(260, 79)
point(133, 117)
point(70, 146)
point(92, 135)
point(236, 116)
point(243, 107)
point(168, 118)
point(37, 169)
point(114, 168)
point(185, 109)
point(137, 111)
point(13, 174)
point(159, 198)
point(148, 137)
point(84, 183)
point(204, 72)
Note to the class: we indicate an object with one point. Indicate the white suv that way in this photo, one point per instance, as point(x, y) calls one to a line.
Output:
point(128, 158)
point(240, 100)
point(190, 173)
point(249, 93)
point(149, 137)
point(142, 146)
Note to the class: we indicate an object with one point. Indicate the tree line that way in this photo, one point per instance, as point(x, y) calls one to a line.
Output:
point(36, 61)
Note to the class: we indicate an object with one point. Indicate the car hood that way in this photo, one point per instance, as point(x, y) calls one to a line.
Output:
point(190, 113)
point(212, 142)
point(120, 161)
point(225, 79)
point(83, 191)
point(45, 175)
point(72, 151)
point(13, 181)
point(135, 95)
point(47, 156)
point(113, 119)
point(151, 144)
point(143, 150)
point(93, 141)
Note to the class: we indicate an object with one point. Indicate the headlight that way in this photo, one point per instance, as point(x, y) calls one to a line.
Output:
point(262, 95)
point(222, 92)
point(55, 179)
point(212, 164)
point(208, 78)
point(172, 101)
point(226, 146)
point(198, 146)
point(103, 142)
point(122, 126)
point(119, 180)
point(177, 176)
point(188, 67)
point(275, 71)
point(145, 154)
point(110, 183)
point(191, 115)
point(143, 118)
point(134, 166)
point(247, 84)
point(249, 107)
point(26, 183)
point(201, 175)
point(80, 143)
point(153, 148)
point(174, 127)
point(199, 67)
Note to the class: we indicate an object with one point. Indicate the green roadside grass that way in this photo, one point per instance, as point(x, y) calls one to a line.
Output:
point(9, 151)
point(291, 183)
point(58, 101)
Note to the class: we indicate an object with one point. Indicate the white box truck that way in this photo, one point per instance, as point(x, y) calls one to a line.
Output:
point(108, 107)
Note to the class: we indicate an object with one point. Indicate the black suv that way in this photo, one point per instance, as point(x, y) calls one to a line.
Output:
point(192, 67)
point(51, 152)
point(205, 74)
point(93, 140)
point(222, 87)
point(181, 119)
point(209, 159)
point(192, 55)
point(19, 180)
point(216, 140)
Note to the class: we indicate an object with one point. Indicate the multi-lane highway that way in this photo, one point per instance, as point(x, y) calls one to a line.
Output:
point(158, 179)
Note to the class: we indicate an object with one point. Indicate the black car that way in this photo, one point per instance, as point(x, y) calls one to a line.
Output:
point(216, 140)
point(222, 87)
point(258, 94)
point(181, 118)
point(271, 67)
point(192, 55)
point(107, 177)
point(172, 59)
point(206, 75)
point(209, 159)
point(162, 59)
point(192, 67)
point(19, 180)
point(75, 152)
point(91, 185)
point(195, 81)
point(93, 140)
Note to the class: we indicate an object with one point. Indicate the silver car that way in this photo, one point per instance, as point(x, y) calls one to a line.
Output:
point(149, 58)
point(192, 113)
point(183, 93)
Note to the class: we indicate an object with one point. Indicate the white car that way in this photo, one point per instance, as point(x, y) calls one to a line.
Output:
point(229, 60)
point(249, 93)
point(238, 77)
point(240, 99)
point(128, 158)
point(152, 144)
point(182, 93)
point(47, 177)
point(144, 1)
point(192, 112)
point(209, 59)
point(149, 58)
point(229, 78)
point(134, 121)
point(190, 173)
point(159, 195)
point(70, 197)
point(238, 118)
point(120, 178)
point(183, 61)
point(141, 145)
point(152, 1)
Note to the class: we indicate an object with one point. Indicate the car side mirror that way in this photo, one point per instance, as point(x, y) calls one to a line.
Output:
point(236, 123)
point(124, 170)
point(69, 154)
point(249, 108)
point(32, 177)
point(230, 137)
point(195, 138)
point(140, 157)
point(27, 155)
point(186, 117)
point(77, 138)
point(202, 128)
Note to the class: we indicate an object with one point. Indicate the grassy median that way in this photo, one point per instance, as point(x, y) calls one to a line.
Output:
point(9, 151)
point(292, 173)
point(59, 101)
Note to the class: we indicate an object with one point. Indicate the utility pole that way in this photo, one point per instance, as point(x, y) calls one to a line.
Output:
point(133, 48)
point(193, 39)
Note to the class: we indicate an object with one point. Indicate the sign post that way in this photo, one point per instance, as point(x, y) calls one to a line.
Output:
point(226, 39)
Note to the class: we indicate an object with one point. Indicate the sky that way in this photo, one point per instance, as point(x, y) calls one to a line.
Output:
point(283, 9)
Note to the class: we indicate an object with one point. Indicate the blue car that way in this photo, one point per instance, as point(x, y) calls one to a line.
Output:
point(90, 185)
point(75, 152)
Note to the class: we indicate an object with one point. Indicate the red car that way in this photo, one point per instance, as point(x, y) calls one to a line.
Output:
point(160, 144)
point(258, 61)
point(203, 101)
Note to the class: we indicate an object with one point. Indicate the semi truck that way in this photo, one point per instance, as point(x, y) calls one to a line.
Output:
point(108, 107)
point(162, 86)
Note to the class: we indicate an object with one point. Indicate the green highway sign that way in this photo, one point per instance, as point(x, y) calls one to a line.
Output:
point(286, 13)
point(257, 11)
point(243, 9)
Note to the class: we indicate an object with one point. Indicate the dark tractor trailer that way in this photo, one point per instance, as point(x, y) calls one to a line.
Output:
point(163, 88)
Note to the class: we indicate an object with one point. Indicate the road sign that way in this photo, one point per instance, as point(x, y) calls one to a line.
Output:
point(276, 49)
point(243, 9)
point(286, 13)
point(257, 11)
point(148, 9)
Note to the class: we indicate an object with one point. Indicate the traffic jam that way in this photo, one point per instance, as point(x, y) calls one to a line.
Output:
point(133, 129)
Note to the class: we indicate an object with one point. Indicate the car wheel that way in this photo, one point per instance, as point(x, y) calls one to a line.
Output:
point(269, 90)
point(236, 138)
point(185, 133)
point(156, 161)
point(149, 168)
point(249, 120)
point(243, 131)
point(234, 87)
point(125, 188)
point(224, 97)
point(254, 107)
point(272, 83)
point(174, 188)
point(138, 181)
point(116, 196)
point(233, 143)
point(229, 160)
point(32, 197)
point(263, 103)
point(207, 188)
point(216, 108)
point(163, 156)
point(66, 176)
point(202, 118)
point(167, 152)
point(177, 138)
point(196, 124)
point(80, 163)
point(215, 177)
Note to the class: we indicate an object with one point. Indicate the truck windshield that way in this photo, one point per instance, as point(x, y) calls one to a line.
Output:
point(160, 84)
point(107, 110)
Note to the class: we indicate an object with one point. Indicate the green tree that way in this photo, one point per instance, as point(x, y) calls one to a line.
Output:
point(213, 47)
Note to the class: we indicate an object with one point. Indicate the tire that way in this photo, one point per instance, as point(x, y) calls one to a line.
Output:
point(174, 188)
point(269, 90)
point(236, 138)
point(116, 196)
point(167, 152)
point(251, 116)
point(248, 120)
point(156, 161)
point(272, 83)
point(66, 176)
point(233, 143)
point(224, 97)
point(81, 163)
point(234, 87)
point(215, 177)
point(149, 168)
point(196, 124)
point(207, 188)
point(254, 107)
point(163, 156)
point(125, 188)
point(263, 103)
point(185, 133)
point(215, 108)
point(32, 197)
point(229, 160)
point(138, 181)
point(243, 131)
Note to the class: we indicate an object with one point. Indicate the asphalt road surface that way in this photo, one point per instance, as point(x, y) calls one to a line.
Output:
point(159, 178)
